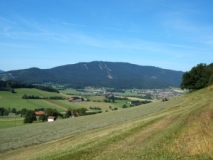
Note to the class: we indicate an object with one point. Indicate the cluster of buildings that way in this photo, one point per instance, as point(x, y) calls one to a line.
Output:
point(49, 118)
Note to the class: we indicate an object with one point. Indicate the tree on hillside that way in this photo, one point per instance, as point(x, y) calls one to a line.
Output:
point(23, 111)
point(29, 116)
point(211, 80)
point(2, 111)
point(53, 112)
point(6, 113)
point(68, 113)
point(198, 77)
point(13, 110)
point(43, 118)
point(12, 90)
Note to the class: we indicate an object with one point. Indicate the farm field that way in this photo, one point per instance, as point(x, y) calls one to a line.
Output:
point(14, 100)
point(180, 128)
point(104, 106)
point(13, 121)
point(70, 91)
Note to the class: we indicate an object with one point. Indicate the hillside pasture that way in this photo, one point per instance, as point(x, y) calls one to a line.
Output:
point(95, 98)
point(104, 106)
point(62, 128)
point(11, 121)
point(180, 128)
point(70, 91)
point(14, 100)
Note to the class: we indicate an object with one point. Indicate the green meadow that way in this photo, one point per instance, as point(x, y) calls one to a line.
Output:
point(70, 91)
point(14, 100)
point(12, 121)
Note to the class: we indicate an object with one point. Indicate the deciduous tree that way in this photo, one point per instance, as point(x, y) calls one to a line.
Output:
point(29, 116)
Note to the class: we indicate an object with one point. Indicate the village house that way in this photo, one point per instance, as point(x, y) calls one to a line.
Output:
point(51, 119)
point(71, 99)
point(38, 113)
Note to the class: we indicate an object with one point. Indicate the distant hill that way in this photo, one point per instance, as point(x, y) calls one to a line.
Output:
point(98, 73)
point(1, 71)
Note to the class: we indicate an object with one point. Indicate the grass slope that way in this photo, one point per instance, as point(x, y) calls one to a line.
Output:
point(12, 121)
point(14, 100)
point(178, 129)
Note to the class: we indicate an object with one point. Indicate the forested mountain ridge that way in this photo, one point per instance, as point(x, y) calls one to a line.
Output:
point(98, 73)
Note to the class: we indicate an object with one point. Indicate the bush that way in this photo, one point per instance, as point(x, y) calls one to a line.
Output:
point(43, 118)
point(29, 116)
point(124, 106)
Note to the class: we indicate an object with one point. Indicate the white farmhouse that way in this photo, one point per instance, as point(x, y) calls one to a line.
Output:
point(51, 119)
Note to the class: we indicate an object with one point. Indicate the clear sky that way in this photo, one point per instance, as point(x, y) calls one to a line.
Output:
point(170, 34)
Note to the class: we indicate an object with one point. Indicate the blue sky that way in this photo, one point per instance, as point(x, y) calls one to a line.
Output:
point(168, 34)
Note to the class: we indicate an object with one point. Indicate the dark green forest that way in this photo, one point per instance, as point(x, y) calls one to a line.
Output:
point(198, 77)
point(10, 85)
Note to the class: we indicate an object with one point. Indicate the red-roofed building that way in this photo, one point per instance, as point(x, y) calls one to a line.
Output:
point(70, 99)
point(74, 99)
point(38, 113)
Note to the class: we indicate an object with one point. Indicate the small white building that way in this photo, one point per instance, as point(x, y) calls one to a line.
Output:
point(51, 119)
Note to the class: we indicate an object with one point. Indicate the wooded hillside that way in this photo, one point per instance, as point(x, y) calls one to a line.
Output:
point(107, 74)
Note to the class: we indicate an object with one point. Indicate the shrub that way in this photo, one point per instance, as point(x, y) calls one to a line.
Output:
point(124, 106)
point(29, 116)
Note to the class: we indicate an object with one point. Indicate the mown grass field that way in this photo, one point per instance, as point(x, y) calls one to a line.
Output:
point(180, 128)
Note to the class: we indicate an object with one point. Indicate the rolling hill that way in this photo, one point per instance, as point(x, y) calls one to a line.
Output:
point(180, 128)
point(97, 73)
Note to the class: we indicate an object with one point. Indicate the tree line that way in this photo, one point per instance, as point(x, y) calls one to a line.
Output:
point(10, 85)
point(39, 97)
point(5, 111)
point(198, 77)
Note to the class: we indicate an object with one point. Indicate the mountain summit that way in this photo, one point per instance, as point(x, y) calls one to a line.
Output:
point(99, 73)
